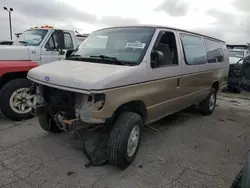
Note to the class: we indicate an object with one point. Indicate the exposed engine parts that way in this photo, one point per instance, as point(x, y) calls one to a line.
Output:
point(71, 112)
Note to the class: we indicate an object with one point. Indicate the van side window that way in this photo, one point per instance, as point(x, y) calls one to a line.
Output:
point(167, 45)
point(194, 49)
point(214, 51)
point(68, 41)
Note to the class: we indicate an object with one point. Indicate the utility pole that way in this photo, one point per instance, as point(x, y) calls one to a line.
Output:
point(9, 11)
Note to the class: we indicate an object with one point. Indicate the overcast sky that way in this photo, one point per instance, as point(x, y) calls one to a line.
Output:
point(225, 19)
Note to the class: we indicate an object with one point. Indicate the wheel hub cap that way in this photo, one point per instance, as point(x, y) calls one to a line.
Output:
point(21, 101)
point(211, 102)
point(133, 141)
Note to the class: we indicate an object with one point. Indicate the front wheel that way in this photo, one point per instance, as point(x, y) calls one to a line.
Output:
point(124, 139)
point(15, 99)
point(208, 105)
point(48, 123)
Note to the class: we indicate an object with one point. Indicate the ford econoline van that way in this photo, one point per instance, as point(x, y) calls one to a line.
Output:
point(127, 77)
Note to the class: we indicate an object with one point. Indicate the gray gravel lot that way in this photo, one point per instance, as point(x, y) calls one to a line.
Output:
point(189, 150)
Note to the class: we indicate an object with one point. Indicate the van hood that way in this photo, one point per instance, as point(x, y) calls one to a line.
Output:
point(19, 53)
point(83, 75)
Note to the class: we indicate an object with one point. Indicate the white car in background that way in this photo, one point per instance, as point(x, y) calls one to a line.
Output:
point(236, 55)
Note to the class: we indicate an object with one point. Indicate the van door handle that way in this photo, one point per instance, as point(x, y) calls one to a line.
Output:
point(178, 82)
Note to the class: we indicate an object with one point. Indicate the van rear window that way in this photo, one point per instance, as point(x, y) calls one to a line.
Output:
point(214, 51)
point(200, 51)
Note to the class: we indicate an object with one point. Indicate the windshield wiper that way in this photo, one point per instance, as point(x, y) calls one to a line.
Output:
point(23, 42)
point(109, 58)
point(74, 56)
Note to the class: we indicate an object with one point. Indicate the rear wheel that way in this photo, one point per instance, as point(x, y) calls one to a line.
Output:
point(124, 139)
point(15, 99)
point(48, 123)
point(208, 105)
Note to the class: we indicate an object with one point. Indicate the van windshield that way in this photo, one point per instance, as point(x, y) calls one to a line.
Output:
point(123, 44)
point(31, 37)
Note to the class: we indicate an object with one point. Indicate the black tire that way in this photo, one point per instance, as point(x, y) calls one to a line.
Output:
point(205, 105)
point(48, 124)
point(237, 89)
point(237, 181)
point(8, 89)
point(118, 139)
point(230, 89)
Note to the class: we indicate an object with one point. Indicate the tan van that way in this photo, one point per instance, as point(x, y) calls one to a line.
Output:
point(126, 77)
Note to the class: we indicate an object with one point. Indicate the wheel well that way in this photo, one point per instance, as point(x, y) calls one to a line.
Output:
point(133, 106)
point(216, 86)
point(11, 76)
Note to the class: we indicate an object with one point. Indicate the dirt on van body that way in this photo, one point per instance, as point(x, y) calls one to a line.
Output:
point(184, 150)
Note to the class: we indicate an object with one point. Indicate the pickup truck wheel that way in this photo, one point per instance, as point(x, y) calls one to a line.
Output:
point(48, 124)
point(124, 139)
point(209, 103)
point(15, 99)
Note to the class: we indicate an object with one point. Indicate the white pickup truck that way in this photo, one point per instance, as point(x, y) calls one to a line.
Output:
point(35, 46)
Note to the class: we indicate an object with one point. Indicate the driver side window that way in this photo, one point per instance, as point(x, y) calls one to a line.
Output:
point(166, 44)
point(52, 42)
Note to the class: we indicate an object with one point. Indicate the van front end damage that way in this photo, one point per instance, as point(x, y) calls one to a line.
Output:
point(67, 106)
point(71, 112)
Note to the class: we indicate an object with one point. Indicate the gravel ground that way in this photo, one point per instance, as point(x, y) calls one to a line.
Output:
point(188, 150)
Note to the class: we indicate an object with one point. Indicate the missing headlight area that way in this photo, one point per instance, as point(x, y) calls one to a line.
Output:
point(86, 104)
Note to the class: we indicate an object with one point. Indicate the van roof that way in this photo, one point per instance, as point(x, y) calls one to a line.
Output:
point(165, 27)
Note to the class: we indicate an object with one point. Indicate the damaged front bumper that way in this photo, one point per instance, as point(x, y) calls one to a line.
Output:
point(74, 117)
point(81, 108)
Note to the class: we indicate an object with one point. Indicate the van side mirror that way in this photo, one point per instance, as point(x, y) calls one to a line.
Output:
point(156, 58)
point(60, 40)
